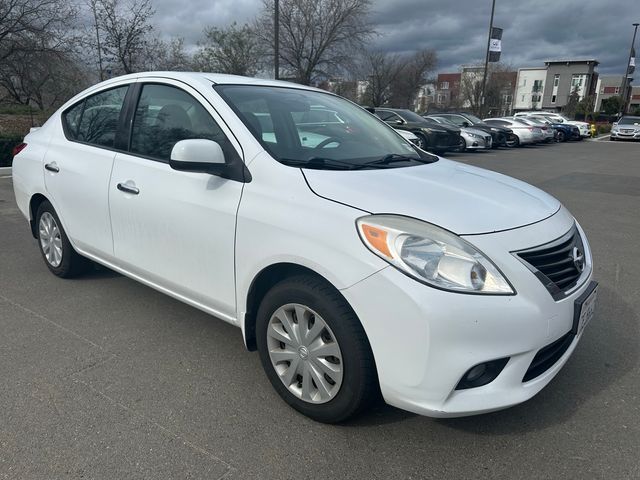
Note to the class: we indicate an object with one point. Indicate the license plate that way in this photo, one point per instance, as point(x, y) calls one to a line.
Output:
point(584, 308)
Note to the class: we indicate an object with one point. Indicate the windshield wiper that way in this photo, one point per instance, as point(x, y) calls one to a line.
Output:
point(320, 163)
point(394, 158)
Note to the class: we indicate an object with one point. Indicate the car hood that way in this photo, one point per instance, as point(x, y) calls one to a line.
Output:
point(458, 197)
point(434, 127)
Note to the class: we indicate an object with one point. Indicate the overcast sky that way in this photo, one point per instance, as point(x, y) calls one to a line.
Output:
point(534, 30)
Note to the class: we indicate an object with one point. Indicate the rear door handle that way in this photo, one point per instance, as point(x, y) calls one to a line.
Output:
point(123, 187)
point(52, 167)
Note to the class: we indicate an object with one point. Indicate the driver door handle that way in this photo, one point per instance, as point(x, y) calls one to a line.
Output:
point(123, 187)
point(52, 167)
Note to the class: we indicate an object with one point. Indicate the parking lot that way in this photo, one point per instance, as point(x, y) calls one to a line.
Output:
point(103, 377)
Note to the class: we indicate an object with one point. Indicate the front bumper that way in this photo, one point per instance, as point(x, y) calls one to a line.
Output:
point(425, 339)
point(619, 135)
point(478, 143)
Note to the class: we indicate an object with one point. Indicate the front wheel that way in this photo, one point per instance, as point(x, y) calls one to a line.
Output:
point(314, 350)
point(422, 142)
point(561, 137)
point(57, 252)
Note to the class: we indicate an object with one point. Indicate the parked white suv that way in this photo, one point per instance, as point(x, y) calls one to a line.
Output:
point(354, 262)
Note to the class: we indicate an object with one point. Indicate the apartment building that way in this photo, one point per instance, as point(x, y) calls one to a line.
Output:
point(566, 76)
point(529, 88)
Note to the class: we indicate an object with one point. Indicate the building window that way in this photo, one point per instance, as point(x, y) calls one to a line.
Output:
point(440, 98)
point(522, 98)
point(556, 79)
point(553, 99)
point(444, 85)
point(524, 82)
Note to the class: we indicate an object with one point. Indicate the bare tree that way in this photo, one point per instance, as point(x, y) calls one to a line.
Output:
point(28, 25)
point(234, 49)
point(316, 36)
point(165, 55)
point(381, 70)
point(414, 70)
point(37, 43)
point(123, 28)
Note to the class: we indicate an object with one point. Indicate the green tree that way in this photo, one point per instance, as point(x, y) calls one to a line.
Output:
point(611, 105)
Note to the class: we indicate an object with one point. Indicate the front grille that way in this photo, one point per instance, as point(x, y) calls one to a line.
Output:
point(447, 140)
point(557, 264)
point(548, 356)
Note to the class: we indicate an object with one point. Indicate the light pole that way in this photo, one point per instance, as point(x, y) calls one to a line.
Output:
point(625, 79)
point(486, 61)
point(276, 43)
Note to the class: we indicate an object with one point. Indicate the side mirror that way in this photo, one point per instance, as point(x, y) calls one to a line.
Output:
point(465, 124)
point(615, 124)
point(206, 156)
point(398, 122)
point(196, 153)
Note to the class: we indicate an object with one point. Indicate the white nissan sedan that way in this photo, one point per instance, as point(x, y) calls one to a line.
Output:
point(354, 262)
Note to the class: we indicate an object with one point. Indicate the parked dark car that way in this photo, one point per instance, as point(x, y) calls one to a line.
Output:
point(501, 136)
point(566, 131)
point(432, 136)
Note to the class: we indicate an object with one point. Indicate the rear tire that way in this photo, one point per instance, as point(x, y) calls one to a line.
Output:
point(57, 252)
point(513, 141)
point(287, 339)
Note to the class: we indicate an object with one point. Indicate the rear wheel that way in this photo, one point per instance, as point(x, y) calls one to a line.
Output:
point(314, 350)
point(561, 136)
point(513, 141)
point(57, 252)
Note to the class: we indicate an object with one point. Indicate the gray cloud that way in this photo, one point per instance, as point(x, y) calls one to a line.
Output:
point(534, 30)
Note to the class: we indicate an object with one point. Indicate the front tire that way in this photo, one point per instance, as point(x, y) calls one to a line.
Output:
point(314, 350)
point(57, 252)
point(422, 142)
point(561, 137)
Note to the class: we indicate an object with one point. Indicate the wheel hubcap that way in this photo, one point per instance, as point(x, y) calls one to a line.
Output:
point(50, 239)
point(304, 353)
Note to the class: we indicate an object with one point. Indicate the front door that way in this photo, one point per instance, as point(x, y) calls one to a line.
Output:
point(175, 229)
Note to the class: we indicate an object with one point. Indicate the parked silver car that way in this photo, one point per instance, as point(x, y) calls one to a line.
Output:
point(627, 128)
point(474, 139)
point(548, 132)
point(525, 134)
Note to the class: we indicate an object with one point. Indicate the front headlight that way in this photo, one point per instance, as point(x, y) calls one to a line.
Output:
point(474, 135)
point(431, 254)
point(494, 129)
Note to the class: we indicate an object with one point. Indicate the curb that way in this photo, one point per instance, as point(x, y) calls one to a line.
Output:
point(5, 171)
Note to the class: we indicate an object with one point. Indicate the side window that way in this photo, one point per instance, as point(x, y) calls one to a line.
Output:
point(165, 115)
point(72, 120)
point(99, 120)
point(386, 116)
point(458, 120)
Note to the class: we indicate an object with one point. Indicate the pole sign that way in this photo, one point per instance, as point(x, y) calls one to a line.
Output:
point(495, 44)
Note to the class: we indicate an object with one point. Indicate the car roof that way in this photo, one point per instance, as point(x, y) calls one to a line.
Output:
point(206, 77)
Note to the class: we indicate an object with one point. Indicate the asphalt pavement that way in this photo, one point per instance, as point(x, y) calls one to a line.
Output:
point(102, 377)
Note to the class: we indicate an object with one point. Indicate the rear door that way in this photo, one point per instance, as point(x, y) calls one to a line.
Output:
point(78, 167)
point(176, 229)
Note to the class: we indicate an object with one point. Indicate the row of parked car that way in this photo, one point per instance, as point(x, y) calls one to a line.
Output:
point(459, 131)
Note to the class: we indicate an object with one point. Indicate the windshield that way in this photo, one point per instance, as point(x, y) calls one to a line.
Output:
point(473, 118)
point(629, 121)
point(410, 116)
point(310, 129)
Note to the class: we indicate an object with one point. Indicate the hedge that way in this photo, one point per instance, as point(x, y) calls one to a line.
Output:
point(6, 148)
